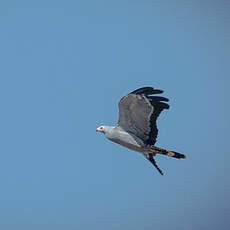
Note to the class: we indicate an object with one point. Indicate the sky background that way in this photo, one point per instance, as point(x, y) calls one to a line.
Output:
point(64, 67)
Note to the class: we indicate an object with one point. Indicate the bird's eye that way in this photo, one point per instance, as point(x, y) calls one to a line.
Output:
point(101, 128)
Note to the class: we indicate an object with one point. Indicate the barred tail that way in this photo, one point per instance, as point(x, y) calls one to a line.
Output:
point(166, 152)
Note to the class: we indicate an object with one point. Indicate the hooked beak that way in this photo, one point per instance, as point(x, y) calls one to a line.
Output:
point(97, 130)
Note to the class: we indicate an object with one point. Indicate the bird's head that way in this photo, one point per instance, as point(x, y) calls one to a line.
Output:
point(101, 129)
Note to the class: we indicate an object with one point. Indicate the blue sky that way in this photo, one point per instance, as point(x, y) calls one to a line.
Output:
point(64, 67)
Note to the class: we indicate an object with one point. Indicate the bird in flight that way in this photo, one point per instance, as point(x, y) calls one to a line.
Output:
point(137, 124)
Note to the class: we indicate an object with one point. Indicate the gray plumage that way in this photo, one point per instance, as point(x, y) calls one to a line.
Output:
point(137, 124)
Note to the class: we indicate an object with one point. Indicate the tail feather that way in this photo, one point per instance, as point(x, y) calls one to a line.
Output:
point(169, 153)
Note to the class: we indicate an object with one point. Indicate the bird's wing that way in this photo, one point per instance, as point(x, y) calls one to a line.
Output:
point(138, 112)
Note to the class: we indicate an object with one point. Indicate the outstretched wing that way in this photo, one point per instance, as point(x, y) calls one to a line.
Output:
point(138, 113)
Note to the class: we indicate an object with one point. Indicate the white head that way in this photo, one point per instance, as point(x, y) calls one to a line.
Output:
point(101, 129)
point(104, 129)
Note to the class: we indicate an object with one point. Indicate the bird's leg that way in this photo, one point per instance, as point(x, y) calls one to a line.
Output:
point(150, 157)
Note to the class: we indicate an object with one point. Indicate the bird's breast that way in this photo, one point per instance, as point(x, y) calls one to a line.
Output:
point(127, 140)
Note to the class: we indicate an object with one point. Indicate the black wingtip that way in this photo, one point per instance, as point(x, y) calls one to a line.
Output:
point(158, 103)
point(147, 91)
point(142, 90)
point(157, 98)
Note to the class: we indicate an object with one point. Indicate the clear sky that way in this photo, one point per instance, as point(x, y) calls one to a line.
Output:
point(64, 67)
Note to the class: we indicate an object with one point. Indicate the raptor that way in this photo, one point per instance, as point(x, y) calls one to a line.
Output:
point(137, 124)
